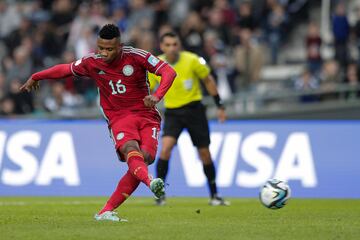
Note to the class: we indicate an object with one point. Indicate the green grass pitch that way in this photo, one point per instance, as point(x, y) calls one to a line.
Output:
point(183, 218)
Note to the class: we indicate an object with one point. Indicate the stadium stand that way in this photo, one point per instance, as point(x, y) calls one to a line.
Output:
point(271, 60)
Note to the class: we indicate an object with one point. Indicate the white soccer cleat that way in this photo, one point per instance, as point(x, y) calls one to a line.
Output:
point(218, 201)
point(109, 216)
point(157, 186)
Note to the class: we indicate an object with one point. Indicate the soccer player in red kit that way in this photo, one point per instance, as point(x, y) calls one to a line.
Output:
point(120, 73)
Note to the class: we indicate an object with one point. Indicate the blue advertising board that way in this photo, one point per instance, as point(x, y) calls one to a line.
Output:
point(319, 159)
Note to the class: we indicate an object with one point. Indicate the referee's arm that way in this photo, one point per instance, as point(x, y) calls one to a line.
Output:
point(210, 86)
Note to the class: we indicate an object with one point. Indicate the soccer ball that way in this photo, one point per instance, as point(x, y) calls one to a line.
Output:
point(274, 194)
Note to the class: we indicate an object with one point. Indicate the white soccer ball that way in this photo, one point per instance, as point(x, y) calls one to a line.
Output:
point(274, 194)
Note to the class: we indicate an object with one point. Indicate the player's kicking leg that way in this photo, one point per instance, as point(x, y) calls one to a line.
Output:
point(157, 186)
point(138, 172)
point(138, 167)
point(126, 186)
point(149, 148)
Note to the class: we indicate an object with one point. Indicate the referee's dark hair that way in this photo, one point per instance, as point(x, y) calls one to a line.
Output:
point(168, 34)
point(109, 31)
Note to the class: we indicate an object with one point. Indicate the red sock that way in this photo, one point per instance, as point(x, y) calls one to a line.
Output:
point(126, 186)
point(138, 167)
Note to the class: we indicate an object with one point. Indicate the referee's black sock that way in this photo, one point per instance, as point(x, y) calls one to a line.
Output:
point(162, 167)
point(209, 171)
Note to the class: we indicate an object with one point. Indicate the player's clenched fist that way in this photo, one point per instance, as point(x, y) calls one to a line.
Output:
point(150, 100)
point(29, 85)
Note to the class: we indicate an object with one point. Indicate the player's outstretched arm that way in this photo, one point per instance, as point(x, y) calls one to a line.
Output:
point(56, 72)
point(30, 85)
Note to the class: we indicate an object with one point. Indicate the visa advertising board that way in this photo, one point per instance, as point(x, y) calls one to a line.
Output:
point(319, 159)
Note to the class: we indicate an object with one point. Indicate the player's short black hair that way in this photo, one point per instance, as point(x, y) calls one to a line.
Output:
point(168, 34)
point(109, 31)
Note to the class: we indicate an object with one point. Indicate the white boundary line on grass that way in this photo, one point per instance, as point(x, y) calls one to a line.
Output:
point(74, 202)
point(23, 203)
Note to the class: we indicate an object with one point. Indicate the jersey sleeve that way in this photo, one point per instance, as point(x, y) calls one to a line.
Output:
point(148, 61)
point(200, 67)
point(154, 80)
point(80, 67)
point(153, 64)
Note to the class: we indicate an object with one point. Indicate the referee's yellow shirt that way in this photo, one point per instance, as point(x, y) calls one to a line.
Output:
point(186, 88)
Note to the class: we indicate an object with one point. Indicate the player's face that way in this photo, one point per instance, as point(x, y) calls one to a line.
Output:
point(170, 46)
point(108, 49)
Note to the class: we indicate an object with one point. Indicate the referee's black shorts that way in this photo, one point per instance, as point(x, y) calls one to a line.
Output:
point(192, 117)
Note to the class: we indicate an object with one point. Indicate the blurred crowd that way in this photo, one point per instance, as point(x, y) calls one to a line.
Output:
point(237, 38)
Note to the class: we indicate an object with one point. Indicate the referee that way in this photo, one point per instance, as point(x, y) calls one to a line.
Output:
point(183, 109)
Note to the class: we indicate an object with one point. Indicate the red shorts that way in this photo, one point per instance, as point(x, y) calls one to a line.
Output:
point(137, 127)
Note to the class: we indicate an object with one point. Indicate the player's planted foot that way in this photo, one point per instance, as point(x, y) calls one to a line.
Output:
point(218, 201)
point(109, 216)
point(160, 201)
point(157, 186)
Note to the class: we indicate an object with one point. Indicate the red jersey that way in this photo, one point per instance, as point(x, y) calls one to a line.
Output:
point(123, 83)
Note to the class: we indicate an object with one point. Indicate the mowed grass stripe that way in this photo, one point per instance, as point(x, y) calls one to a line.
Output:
point(183, 218)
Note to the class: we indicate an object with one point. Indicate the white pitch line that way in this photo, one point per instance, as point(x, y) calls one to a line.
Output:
point(75, 202)
point(22, 203)
point(134, 200)
point(12, 203)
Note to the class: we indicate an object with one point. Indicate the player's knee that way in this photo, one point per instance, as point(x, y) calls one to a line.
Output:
point(130, 146)
point(148, 159)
